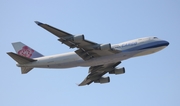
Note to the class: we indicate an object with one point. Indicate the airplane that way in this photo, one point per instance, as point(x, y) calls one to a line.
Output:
point(100, 58)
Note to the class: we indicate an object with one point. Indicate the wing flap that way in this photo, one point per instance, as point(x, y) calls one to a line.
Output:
point(88, 54)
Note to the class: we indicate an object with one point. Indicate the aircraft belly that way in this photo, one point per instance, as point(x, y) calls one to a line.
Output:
point(107, 59)
point(66, 65)
point(58, 61)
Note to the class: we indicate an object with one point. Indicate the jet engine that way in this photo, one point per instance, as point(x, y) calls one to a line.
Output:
point(105, 46)
point(78, 38)
point(102, 80)
point(118, 71)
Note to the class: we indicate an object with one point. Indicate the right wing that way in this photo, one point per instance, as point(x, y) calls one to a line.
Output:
point(86, 49)
point(96, 73)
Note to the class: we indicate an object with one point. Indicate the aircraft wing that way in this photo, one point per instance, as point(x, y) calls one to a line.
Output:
point(86, 49)
point(96, 72)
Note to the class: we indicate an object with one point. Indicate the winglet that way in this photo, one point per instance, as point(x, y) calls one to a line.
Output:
point(38, 23)
point(81, 84)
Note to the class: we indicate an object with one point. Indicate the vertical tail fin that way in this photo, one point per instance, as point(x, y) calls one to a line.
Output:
point(25, 50)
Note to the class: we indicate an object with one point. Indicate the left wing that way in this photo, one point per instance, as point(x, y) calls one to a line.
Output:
point(67, 38)
point(86, 49)
point(96, 73)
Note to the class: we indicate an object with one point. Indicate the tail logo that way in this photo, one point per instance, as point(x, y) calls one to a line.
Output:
point(26, 52)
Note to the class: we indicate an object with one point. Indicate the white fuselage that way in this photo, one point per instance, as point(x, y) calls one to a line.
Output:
point(129, 49)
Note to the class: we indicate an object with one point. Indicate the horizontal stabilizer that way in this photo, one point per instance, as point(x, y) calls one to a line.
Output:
point(25, 70)
point(20, 59)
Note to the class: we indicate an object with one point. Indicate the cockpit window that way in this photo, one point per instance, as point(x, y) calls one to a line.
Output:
point(155, 38)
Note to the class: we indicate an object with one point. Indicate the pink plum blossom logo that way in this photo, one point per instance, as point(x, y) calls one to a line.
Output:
point(26, 52)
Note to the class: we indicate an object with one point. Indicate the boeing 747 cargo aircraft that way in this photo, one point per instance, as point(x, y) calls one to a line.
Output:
point(100, 58)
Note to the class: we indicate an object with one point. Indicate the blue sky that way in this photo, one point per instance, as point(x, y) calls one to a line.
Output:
point(151, 80)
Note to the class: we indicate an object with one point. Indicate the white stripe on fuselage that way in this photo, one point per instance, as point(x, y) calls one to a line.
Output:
point(71, 59)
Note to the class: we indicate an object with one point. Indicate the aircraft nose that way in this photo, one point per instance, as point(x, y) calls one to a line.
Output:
point(166, 43)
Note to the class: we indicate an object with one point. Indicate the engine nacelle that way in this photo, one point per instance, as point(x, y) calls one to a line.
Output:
point(78, 38)
point(118, 71)
point(105, 46)
point(102, 80)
